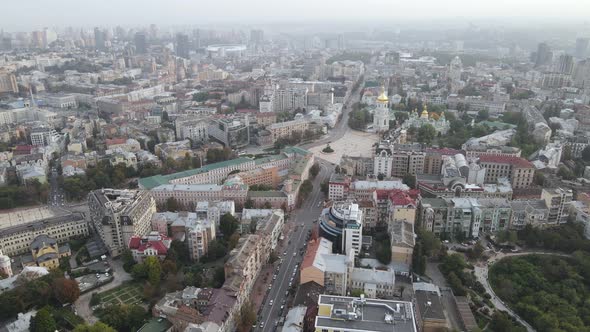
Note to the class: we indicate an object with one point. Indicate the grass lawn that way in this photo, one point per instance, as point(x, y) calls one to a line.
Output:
point(129, 293)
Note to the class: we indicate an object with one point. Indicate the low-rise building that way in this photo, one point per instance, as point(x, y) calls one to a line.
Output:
point(520, 171)
point(529, 212)
point(344, 313)
point(45, 252)
point(19, 228)
point(154, 244)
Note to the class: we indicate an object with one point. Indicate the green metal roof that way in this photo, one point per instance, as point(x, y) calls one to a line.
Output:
point(157, 180)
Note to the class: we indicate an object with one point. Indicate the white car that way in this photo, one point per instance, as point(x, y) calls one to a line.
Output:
point(270, 303)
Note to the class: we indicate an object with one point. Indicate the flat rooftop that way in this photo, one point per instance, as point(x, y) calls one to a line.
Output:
point(371, 314)
point(19, 217)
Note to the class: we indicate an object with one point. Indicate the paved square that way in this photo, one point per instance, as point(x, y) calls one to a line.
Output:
point(353, 143)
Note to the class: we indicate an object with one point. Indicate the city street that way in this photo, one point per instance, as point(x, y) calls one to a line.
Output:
point(56, 194)
point(289, 270)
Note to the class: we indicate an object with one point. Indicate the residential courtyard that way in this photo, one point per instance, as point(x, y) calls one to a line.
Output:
point(353, 143)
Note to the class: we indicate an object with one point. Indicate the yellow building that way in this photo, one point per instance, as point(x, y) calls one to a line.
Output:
point(45, 252)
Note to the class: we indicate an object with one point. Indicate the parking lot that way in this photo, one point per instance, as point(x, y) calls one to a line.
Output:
point(91, 281)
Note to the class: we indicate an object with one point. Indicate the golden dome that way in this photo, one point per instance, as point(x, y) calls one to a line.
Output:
point(425, 111)
point(383, 97)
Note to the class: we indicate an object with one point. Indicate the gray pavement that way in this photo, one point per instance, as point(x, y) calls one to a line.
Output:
point(82, 305)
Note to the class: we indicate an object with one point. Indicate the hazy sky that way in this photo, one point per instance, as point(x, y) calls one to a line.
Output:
point(33, 14)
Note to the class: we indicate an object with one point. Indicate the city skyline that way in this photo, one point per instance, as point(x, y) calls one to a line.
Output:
point(177, 12)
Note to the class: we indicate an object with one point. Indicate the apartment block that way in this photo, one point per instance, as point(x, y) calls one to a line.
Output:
point(557, 201)
point(118, 215)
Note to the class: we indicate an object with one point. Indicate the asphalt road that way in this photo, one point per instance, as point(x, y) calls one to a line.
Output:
point(56, 194)
point(341, 127)
point(289, 269)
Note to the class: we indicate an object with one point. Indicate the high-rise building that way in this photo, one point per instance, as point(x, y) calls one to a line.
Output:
point(543, 56)
point(118, 215)
point(140, 43)
point(8, 83)
point(256, 36)
point(99, 39)
point(582, 47)
point(182, 45)
point(566, 64)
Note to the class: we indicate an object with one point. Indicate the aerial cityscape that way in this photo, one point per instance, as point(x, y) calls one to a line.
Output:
point(328, 166)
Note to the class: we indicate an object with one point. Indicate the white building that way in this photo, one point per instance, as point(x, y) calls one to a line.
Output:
point(381, 113)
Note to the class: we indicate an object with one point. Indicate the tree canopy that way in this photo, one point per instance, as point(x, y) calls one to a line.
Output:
point(552, 293)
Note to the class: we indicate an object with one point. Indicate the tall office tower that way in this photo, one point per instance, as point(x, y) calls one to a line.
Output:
point(566, 64)
point(341, 43)
point(140, 43)
point(182, 45)
point(99, 39)
point(543, 55)
point(582, 47)
point(37, 39)
point(6, 43)
point(197, 38)
point(256, 36)
point(153, 31)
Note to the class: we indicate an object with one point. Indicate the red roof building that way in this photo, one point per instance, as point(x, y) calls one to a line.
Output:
point(20, 150)
point(155, 244)
point(518, 170)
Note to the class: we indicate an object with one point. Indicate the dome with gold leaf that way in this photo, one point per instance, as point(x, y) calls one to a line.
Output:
point(383, 96)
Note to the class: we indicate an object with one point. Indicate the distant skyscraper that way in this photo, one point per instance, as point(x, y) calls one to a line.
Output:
point(256, 36)
point(99, 39)
point(182, 45)
point(196, 39)
point(140, 43)
point(543, 55)
point(582, 47)
point(566, 64)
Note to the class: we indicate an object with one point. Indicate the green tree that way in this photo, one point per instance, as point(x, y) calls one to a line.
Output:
point(154, 270)
point(383, 249)
point(165, 117)
point(483, 115)
point(426, 134)
point(172, 204)
point(409, 180)
point(586, 154)
point(314, 170)
point(43, 321)
point(249, 204)
point(565, 173)
point(430, 243)
point(96, 327)
point(228, 225)
point(247, 317)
